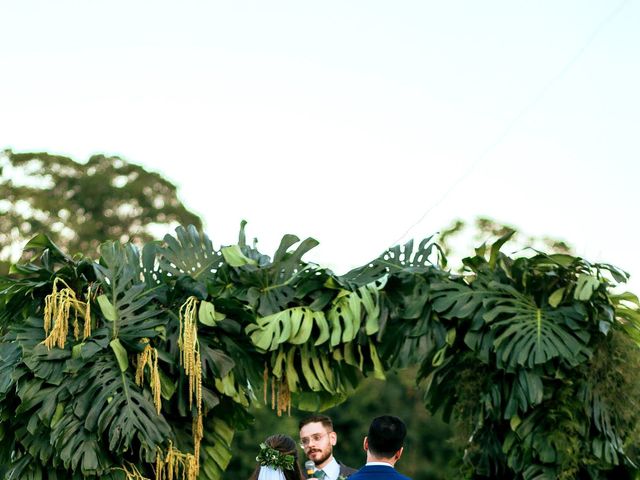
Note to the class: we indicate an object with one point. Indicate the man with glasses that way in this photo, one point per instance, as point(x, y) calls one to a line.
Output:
point(317, 439)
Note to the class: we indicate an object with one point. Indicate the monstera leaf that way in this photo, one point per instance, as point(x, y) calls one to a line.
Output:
point(526, 390)
point(112, 404)
point(25, 467)
point(30, 279)
point(216, 448)
point(78, 448)
point(410, 343)
point(627, 311)
point(215, 362)
point(544, 443)
point(157, 279)
point(41, 402)
point(271, 286)
point(190, 253)
point(293, 325)
point(126, 302)
point(74, 448)
point(48, 364)
point(596, 408)
point(54, 435)
point(10, 355)
point(410, 330)
point(401, 258)
point(529, 335)
point(286, 262)
point(456, 299)
point(350, 309)
point(269, 299)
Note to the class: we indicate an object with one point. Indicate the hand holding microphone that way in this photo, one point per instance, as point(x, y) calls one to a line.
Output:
point(309, 467)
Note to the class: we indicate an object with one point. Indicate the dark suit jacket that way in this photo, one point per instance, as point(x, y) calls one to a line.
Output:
point(377, 472)
point(344, 470)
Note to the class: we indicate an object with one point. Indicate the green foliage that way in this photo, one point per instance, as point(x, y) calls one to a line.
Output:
point(529, 339)
point(535, 357)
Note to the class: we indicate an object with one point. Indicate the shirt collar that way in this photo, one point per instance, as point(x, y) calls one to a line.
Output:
point(332, 469)
point(384, 464)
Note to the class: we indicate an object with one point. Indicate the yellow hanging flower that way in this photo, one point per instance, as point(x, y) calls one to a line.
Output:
point(175, 465)
point(149, 356)
point(87, 316)
point(132, 473)
point(192, 364)
point(188, 344)
point(280, 392)
point(57, 310)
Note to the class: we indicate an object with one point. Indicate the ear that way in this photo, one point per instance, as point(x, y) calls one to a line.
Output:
point(365, 444)
point(333, 438)
point(398, 454)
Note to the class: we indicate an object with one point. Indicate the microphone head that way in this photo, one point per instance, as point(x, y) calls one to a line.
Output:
point(309, 466)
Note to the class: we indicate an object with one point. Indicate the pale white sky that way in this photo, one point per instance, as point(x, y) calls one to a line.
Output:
point(347, 120)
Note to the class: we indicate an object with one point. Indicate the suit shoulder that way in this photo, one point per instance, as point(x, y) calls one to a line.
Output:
point(345, 470)
point(373, 472)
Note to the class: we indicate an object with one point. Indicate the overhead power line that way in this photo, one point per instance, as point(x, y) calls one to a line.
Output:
point(519, 115)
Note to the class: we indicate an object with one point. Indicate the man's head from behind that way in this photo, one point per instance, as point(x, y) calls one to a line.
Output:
point(385, 438)
point(317, 438)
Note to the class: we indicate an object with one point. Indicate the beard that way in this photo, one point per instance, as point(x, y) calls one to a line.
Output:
point(319, 456)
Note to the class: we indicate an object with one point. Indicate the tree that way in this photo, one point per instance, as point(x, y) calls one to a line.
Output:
point(79, 206)
point(461, 235)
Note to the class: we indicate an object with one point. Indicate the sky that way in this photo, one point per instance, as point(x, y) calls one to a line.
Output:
point(360, 123)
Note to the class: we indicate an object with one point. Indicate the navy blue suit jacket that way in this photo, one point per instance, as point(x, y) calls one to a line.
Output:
point(377, 472)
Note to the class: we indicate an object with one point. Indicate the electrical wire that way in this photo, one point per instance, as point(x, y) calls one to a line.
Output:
point(510, 125)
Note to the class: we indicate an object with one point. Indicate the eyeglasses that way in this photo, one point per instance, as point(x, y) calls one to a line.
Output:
point(304, 442)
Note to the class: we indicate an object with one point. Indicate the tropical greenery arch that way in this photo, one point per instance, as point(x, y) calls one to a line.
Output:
point(143, 364)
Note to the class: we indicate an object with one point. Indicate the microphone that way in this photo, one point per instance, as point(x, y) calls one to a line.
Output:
point(310, 467)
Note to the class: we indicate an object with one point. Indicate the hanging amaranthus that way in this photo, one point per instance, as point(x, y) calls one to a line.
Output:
point(149, 356)
point(188, 344)
point(192, 363)
point(280, 393)
point(283, 403)
point(132, 473)
point(57, 309)
point(265, 381)
point(176, 465)
point(87, 316)
point(198, 434)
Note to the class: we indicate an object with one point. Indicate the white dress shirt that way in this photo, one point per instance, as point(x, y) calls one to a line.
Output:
point(331, 469)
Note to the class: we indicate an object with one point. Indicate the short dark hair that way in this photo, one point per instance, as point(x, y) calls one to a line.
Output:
point(323, 419)
point(386, 436)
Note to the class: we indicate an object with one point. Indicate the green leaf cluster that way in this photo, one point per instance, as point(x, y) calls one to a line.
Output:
point(534, 355)
point(531, 336)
